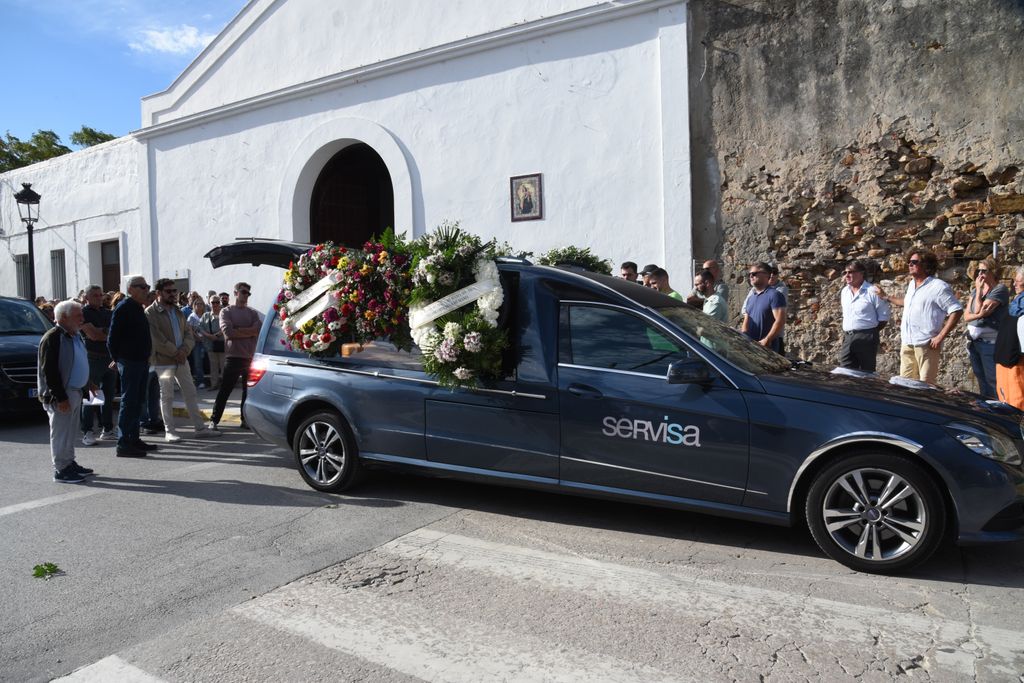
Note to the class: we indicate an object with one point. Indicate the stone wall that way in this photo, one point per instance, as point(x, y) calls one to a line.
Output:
point(825, 130)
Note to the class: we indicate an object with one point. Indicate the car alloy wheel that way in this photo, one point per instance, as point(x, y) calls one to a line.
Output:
point(325, 453)
point(876, 513)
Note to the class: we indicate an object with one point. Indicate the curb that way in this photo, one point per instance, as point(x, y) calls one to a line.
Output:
point(231, 416)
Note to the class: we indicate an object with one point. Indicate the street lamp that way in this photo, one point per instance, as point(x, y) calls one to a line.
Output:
point(28, 208)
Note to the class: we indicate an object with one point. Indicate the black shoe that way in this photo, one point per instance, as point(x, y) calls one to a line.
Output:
point(130, 452)
point(68, 475)
point(84, 471)
point(143, 446)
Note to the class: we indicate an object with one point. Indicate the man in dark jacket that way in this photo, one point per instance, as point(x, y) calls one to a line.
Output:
point(130, 345)
point(63, 375)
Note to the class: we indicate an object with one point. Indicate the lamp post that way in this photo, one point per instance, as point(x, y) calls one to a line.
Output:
point(28, 208)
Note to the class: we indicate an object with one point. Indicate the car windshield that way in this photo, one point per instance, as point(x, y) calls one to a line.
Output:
point(21, 317)
point(724, 341)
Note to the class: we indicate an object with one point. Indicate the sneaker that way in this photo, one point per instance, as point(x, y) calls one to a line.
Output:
point(208, 433)
point(130, 452)
point(171, 437)
point(68, 475)
point(242, 425)
point(84, 471)
point(144, 446)
point(154, 428)
point(201, 385)
point(213, 427)
point(88, 439)
point(107, 435)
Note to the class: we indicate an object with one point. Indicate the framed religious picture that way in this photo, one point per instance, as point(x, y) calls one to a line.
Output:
point(527, 197)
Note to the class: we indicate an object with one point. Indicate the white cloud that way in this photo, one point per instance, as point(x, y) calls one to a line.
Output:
point(181, 40)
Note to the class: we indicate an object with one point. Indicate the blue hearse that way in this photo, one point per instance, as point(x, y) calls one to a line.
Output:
point(616, 391)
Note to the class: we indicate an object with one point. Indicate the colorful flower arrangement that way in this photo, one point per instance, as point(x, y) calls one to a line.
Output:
point(359, 296)
point(454, 306)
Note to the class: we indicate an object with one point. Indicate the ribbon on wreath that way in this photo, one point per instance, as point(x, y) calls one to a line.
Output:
point(449, 303)
point(313, 301)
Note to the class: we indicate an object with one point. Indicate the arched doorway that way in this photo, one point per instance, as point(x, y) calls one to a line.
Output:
point(353, 198)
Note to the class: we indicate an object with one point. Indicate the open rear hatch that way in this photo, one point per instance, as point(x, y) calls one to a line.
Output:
point(257, 252)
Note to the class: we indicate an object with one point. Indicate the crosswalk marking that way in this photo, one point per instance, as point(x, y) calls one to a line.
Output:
point(111, 668)
point(759, 608)
point(396, 629)
point(432, 646)
point(50, 500)
point(87, 490)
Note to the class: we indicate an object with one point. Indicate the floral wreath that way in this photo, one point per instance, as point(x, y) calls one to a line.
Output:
point(333, 295)
point(574, 256)
point(453, 307)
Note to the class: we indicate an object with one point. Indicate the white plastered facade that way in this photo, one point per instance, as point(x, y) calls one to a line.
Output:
point(455, 96)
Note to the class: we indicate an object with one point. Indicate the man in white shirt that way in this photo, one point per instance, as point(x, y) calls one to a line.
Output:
point(864, 315)
point(930, 312)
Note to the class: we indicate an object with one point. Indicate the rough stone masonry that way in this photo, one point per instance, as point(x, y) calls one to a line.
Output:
point(826, 130)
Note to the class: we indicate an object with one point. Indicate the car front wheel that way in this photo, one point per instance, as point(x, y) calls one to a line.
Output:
point(325, 453)
point(877, 513)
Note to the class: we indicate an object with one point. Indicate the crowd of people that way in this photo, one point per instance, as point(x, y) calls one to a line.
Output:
point(143, 345)
point(931, 312)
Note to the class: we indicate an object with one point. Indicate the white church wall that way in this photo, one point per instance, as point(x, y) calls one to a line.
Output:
point(584, 107)
point(276, 44)
point(88, 196)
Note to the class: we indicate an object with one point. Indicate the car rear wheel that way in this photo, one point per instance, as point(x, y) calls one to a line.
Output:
point(325, 453)
point(876, 512)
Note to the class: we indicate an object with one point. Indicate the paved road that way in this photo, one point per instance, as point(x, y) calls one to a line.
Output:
point(216, 579)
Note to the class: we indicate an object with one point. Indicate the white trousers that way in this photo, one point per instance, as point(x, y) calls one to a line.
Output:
point(167, 375)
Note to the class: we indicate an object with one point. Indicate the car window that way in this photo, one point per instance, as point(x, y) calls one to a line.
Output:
point(611, 339)
point(737, 348)
point(18, 317)
point(381, 354)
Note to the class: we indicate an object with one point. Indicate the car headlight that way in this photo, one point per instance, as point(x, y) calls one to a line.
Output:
point(988, 443)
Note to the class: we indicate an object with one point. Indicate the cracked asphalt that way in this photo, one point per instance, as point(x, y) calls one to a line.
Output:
point(215, 562)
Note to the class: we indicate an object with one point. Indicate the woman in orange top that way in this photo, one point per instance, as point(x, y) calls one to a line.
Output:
point(1010, 380)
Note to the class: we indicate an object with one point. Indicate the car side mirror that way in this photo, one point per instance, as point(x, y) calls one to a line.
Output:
point(690, 371)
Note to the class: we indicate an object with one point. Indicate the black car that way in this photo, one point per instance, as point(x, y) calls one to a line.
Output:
point(616, 391)
point(22, 325)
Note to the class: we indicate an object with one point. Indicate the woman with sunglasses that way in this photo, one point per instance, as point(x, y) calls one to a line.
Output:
point(986, 308)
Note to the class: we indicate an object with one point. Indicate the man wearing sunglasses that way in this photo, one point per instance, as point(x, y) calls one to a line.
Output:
point(173, 341)
point(864, 315)
point(241, 326)
point(930, 312)
point(765, 309)
point(129, 344)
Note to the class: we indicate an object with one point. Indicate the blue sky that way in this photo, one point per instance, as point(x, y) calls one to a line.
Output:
point(74, 62)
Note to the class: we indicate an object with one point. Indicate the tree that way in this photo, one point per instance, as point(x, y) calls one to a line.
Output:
point(87, 137)
point(43, 145)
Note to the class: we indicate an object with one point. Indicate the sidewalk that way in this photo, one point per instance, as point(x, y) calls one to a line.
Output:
point(232, 415)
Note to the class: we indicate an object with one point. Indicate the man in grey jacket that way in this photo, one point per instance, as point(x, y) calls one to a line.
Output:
point(62, 378)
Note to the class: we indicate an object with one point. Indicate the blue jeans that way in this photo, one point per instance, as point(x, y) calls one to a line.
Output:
point(105, 377)
point(196, 360)
point(983, 362)
point(134, 375)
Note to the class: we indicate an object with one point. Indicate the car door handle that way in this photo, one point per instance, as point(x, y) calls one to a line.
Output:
point(584, 391)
